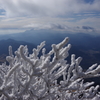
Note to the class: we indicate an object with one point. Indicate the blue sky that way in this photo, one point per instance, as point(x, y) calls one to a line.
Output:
point(72, 16)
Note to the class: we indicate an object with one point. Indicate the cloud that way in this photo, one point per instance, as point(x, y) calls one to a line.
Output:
point(59, 24)
point(87, 27)
point(39, 8)
point(52, 26)
point(62, 28)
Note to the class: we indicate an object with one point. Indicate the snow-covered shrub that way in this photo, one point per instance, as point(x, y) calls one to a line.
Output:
point(34, 77)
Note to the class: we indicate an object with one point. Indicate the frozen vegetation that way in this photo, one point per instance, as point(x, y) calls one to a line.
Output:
point(34, 77)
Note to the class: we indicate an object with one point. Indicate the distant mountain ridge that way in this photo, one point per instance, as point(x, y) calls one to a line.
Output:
point(4, 45)
point(37, 36)
point(84, 45)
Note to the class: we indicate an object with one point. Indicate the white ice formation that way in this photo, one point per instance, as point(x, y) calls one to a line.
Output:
point(34, 77)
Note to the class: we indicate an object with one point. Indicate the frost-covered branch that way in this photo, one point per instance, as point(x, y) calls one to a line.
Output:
point(34, 77)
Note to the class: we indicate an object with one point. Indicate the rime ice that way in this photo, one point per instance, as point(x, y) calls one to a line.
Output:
point(34, 77)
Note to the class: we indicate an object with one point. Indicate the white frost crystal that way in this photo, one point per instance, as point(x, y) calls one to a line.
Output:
point(34, 77)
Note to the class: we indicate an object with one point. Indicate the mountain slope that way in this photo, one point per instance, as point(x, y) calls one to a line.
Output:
point(84, 45)
point(4, 45)
point(89, 53)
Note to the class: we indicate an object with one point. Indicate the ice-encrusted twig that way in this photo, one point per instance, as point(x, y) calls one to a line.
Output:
point(34, 76)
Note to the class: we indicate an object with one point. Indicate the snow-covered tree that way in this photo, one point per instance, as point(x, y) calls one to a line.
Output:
point(34, 77)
